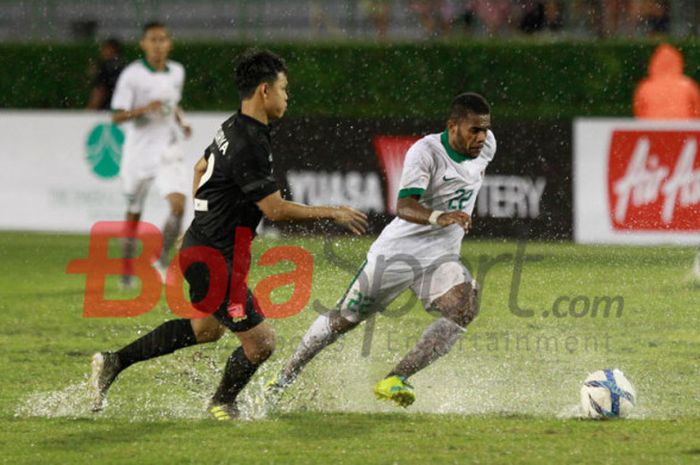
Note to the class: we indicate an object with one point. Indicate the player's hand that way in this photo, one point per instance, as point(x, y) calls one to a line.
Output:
point(153, 107)
point(187, 130)
point(351, 219)
point(456, 217)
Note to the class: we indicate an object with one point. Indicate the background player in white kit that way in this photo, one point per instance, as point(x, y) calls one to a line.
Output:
point(146, 99)
point(419, 249)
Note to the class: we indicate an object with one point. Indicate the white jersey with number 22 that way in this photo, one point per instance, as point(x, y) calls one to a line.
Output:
point(445, 180)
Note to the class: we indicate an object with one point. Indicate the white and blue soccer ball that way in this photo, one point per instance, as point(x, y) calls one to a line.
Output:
point(607, 394)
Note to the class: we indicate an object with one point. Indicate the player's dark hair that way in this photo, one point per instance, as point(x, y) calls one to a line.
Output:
point(253, 67)
point(152, 25)
point(468, 103)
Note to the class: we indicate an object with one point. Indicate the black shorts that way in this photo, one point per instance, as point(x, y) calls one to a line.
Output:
point(228, 313)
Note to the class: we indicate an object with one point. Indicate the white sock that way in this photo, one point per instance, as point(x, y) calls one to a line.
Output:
point(436, 341)
point(317, 337)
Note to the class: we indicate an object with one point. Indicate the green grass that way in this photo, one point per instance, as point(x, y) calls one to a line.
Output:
point(506, 394)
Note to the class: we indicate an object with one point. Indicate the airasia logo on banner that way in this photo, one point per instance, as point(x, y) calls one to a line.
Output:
point(654, 180)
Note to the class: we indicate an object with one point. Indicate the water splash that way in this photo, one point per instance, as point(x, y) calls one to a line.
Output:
point(466, 382)
point(70, 401)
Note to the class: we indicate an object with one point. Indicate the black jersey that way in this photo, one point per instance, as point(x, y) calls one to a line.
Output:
point(239, 173)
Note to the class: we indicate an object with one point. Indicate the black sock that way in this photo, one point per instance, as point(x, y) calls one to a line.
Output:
point(237, 373)
point(165, 339)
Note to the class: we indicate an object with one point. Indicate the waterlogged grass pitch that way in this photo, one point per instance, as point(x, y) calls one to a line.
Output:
point(508, 393)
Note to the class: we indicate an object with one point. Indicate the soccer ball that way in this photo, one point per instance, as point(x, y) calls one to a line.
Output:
point(607, 394)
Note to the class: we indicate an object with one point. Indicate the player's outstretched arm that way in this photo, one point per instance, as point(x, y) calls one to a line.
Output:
point(275, 208)
point(119, 116)
point(409, 209)
point(182, 122)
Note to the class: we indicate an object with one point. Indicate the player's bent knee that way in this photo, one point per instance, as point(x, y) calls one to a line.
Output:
point(177, 204)
point(467, 307)
point(261, 349)
point(340, 324)
point(259, 353)
point(470, 303)
point(177, 210)
point(212, 335)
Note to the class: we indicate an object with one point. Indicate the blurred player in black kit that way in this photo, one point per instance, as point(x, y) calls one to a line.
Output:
point(105, 73)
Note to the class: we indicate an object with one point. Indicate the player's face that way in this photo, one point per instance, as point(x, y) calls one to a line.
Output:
point(276, 97)
point(468, 135)
point(156, 44)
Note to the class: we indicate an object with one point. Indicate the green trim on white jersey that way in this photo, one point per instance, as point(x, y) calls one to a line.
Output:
point(152, 69)
point(410, 192)
point(452, 153)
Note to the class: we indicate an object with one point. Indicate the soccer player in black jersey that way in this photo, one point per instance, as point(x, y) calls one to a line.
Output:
point(233, 188)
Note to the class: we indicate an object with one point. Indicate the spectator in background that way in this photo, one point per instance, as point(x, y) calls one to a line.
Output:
point(533, 19)
point(626, 18)
point(538, 16)
point(666, 93)
point(607, 18)
point(615, 17)
point(434, 15)
point(321, 19)
point(654, 17)
point(379, 12)
point(105, 74)
point(495, 15)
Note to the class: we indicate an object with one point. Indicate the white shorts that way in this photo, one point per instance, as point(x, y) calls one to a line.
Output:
point(381, 280)
point(170, 177)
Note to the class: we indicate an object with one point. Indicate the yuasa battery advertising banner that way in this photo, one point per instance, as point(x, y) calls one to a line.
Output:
point(636, 182)
point(358, 162)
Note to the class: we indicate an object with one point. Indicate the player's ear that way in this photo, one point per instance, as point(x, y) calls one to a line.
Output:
point(451, 124)
point(264, 88)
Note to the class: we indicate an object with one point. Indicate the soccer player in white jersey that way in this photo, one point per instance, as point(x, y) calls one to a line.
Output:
point(419, 249)
point(146, 102)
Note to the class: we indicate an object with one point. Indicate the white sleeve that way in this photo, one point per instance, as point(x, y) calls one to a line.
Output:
point(417, 170)
point(123, 97)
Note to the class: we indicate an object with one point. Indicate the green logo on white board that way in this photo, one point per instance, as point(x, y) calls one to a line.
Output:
point(104, 149)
